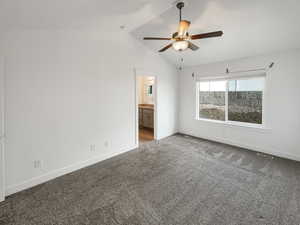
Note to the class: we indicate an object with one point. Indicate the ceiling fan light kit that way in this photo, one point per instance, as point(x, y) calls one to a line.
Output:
point(180, 45)
point(181, 39)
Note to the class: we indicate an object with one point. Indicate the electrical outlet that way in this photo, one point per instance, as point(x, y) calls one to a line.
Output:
point(93, 148)
point(37, 164)
point(106, 144)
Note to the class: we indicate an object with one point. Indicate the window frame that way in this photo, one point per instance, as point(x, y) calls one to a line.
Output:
point(229, 122)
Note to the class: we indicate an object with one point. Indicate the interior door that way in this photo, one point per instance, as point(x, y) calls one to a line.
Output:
point(2, 135)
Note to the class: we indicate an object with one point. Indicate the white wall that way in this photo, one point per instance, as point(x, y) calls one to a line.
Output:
point(140, 88)
point(282, 137)
point(67, 90)
point(2, 186)
point(143, 83)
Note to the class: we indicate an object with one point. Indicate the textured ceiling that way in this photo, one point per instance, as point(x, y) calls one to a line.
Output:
point(250, 28)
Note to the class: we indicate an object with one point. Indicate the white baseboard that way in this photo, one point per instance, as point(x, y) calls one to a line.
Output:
point(60, 172)
point(247, 146)
point(163, 137)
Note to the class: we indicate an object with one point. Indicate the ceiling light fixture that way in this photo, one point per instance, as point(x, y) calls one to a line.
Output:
point(180, 45)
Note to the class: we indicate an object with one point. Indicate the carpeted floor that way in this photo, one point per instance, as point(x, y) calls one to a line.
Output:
point(180, 180)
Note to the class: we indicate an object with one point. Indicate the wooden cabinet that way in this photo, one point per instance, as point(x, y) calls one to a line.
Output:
point(146, 117)
point(140, 116)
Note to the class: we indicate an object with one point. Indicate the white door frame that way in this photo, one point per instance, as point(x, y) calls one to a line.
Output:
point(143, 73)
point(2, 130)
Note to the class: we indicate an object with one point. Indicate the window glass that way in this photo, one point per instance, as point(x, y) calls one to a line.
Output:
point(212, 100)
point(245, 100)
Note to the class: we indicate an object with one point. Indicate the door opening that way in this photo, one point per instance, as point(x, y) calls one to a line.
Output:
point(146, 107)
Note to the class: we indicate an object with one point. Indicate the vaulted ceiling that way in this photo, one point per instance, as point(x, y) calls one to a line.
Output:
point(104, 15)
point(250, 27)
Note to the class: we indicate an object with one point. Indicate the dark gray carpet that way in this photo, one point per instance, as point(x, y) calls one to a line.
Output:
point(181, 180)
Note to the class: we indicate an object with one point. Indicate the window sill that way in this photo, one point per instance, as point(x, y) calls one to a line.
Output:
point(257, 127)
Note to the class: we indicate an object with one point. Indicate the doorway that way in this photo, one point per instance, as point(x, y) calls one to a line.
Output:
point(146, 108)
point(2, 135)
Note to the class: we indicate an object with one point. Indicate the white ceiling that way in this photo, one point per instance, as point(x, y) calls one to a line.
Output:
point(78, 14)
point(251, 27)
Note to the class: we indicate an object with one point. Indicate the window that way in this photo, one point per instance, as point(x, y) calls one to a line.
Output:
point(212, 100)
point(231, 100)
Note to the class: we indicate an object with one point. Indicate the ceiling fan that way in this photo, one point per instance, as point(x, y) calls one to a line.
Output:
point(181, 39)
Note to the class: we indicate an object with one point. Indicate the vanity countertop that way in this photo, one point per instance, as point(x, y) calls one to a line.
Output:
point(146, 106)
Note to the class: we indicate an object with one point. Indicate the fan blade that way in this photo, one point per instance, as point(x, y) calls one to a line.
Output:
point(193, 46)
point(165, 48)
point(156, 38)
point(207, 35)
point(183, 27)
